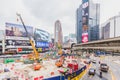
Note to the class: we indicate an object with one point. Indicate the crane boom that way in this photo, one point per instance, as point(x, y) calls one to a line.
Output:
point(31, 42)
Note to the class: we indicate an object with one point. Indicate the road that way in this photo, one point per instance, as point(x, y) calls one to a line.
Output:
point(114, 67)
point(112, 74)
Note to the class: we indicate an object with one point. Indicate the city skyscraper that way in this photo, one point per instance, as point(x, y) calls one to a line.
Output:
point(58, 33)
point(87, 21)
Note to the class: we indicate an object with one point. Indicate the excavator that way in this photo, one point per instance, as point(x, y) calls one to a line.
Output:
point(59, 63)
point(34, 57)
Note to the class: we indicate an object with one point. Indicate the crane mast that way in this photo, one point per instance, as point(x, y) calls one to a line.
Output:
point(36, 54)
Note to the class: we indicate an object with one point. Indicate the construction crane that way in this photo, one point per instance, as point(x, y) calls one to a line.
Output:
point(34, 56)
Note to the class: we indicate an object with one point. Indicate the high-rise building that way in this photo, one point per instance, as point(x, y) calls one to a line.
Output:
point(79, 24)
point(111, 28)
point(66, 38)
point(87, 24)
point(58, 33)
point(71, 37)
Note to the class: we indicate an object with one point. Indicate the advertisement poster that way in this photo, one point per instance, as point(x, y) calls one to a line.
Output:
point(84, 37)
point(41, 35)
point(16, 36)
point(85, 16)
point(16, 30)
point(17, 43)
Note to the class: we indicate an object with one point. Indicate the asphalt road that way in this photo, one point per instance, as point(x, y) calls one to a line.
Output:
point(114, 67)
point(112, 74)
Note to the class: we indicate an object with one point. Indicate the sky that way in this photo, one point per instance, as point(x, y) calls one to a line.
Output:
point(42, 14)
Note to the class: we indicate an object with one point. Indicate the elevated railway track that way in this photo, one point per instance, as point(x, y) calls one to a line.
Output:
point(111, 44)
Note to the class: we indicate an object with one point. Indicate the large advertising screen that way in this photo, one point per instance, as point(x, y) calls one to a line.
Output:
point(41, 35)
point(16, 30)
point(16, 36)
point(85, 16)
point(84, 37)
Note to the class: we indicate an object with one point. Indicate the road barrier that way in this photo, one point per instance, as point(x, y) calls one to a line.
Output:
point(74, 76)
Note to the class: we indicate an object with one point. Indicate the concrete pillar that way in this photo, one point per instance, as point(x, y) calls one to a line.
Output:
point(3, 46)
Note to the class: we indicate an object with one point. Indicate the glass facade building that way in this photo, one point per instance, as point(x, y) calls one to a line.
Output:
point(93, 21)
point(79, 24)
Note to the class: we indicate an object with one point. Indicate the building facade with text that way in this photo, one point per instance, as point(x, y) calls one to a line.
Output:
point(87, 21)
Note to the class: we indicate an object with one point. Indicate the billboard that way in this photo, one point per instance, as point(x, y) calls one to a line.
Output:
point(16, 30)
point(41, 35)
point(85, 16)
point(39, 44)
point(84, 37)
point(16, 36)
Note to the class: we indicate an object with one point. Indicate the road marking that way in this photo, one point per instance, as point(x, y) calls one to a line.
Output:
point(90, 76)
point(116, 63)
point(113, 76)
point(88, 67)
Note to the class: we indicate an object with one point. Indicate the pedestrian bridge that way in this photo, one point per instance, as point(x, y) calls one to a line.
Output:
point(111, 44)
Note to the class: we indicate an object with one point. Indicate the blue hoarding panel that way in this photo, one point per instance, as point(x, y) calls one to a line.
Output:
point(56, 78)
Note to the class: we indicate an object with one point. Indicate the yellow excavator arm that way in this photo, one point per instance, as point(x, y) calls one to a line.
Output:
point(34, 49)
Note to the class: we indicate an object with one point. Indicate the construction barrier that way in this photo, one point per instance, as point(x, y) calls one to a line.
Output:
point(74, 76)
point(56, 78)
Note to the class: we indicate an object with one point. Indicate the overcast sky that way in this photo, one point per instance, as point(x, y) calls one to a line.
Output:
point(44, 13)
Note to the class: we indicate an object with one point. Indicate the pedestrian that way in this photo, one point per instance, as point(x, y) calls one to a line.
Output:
point(99, 62)
point(100, 74)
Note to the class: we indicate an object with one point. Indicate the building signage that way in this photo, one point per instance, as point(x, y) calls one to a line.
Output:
point(42, 44)
point(17, 43)
point(85, 16)
point(84, 37)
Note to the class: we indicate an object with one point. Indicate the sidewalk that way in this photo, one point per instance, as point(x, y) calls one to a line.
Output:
point(117, 61)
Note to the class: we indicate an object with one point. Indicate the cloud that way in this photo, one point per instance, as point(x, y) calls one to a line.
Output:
point(44, 13)
point(41, 13)
point(50, 11)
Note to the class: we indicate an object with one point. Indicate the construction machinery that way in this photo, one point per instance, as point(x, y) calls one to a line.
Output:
point(35, 55)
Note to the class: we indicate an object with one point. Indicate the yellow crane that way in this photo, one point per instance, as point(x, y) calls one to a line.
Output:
point(31, 42)
point(35, 55)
